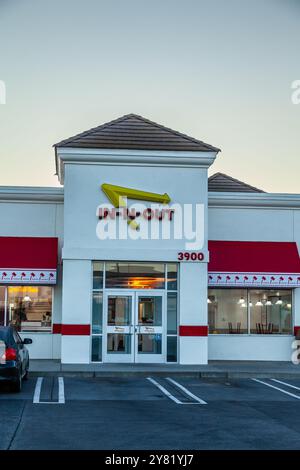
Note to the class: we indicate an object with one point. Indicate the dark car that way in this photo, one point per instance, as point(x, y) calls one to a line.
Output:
point(14, 357)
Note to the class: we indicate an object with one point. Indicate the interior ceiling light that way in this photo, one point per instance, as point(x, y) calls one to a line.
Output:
point(259, 303)
point(208, 300)
point(241, 301)
point(279, 301)
point(268, 302)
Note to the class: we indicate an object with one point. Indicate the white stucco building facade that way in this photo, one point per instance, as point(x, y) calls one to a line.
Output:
point(89, 286)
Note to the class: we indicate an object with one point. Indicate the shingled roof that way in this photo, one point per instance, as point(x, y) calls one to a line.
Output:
point(219, 182)
point(135, 132)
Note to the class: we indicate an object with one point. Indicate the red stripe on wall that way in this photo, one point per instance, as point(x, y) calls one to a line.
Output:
point(72, 330)
point(193, 330)
point(296, 330)
point(76, 330)
point(56, 328)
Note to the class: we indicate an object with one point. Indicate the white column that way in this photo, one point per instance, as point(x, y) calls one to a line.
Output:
point(57, 314)
point(76, 310)
point(193, 312)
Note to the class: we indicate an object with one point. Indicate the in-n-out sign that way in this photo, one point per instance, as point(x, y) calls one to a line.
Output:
point(116, 195)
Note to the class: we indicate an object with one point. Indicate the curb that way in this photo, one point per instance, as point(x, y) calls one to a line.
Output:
point(191, 374)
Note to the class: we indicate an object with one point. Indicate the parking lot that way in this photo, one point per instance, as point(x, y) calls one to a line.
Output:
point(151, 413)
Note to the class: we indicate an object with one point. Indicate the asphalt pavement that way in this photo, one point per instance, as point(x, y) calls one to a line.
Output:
point(151, 413)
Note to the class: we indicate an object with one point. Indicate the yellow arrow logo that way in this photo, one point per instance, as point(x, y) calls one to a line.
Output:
point(116, 194)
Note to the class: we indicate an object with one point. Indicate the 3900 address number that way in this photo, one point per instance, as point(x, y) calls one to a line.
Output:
point(190, 256)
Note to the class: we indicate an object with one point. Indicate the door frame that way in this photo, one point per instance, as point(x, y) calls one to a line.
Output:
point(115, 357)
point(133, 328)
point(150, 358)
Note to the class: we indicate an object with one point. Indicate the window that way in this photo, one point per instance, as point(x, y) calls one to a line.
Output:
point(29, 308)
point(96, 348)
point(227, 311)
point(2, 306)
point(172, 327)
point(172, 276)
point(97, 275)
point(97, 313)
point(135, 275)
point(269, 311)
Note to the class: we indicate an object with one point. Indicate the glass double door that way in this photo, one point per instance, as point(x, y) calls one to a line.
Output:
point(134, 327)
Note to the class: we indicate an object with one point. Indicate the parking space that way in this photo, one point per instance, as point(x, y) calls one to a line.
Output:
point(182, 390)
point(113, 389)
point(138, 412)
point(240, 390)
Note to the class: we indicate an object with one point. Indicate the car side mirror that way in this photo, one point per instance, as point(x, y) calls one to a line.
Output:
point(27, 341)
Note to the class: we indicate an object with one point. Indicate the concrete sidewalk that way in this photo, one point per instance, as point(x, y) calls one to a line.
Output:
point(214, 369)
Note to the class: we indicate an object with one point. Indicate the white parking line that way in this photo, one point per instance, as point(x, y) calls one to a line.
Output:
point(277, 388)
point(61, 390)
point(61, 393)
point(37, 391)
point(186, 391)
point(284, 383)
point(165, 391)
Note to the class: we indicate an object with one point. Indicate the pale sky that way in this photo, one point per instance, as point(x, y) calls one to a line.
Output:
point(218, 70)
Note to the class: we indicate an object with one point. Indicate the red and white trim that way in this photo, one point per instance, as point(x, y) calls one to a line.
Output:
point(237, 279)
point(71, 330)
point(28, 276)
point(193, 330)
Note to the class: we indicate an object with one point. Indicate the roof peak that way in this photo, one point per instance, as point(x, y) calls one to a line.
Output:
point(133, 131)
point(220, 182)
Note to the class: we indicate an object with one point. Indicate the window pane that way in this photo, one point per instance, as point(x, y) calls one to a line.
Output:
point(271, 311)
point(150, 311)
point(149, 344)
point(97, 313)
point(172, 313)
point(227, 311)
point(135, 275)
point(2, 305)
point(119, 310)
point(97, 348)
point(118, 343)
point(30, 307)
point(97, 275)
point(172, 348)
point(172, 276)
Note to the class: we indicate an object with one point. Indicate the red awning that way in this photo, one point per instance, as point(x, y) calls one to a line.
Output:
point(26, 260)
point(253, 263)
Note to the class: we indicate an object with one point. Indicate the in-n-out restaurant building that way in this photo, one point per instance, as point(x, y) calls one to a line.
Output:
point(87, 297)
